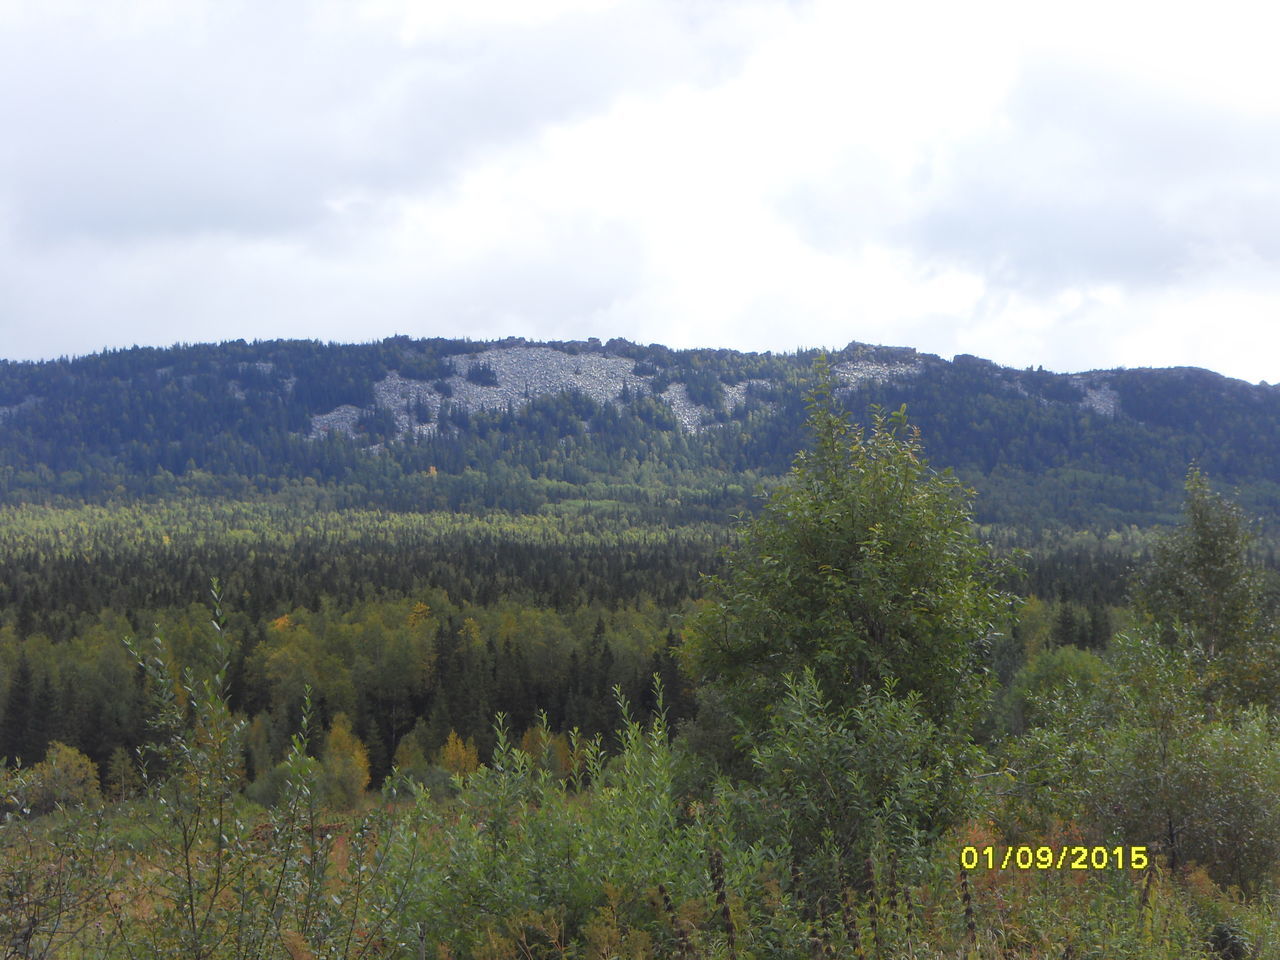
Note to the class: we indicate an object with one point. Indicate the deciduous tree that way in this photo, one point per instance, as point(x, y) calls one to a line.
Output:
point(346, 764)
point(864, 567)
point(1202, 591)
point(847, 638)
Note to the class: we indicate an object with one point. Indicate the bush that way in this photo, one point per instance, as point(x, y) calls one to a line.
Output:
point(874, 779)
point(1211, 796)
point(267, 789)
point(847, 638)
point(1202, 591)
point(526, 850)
point(863, 566)
point(1203, 788)
point(65, 778)
point(1049, 674)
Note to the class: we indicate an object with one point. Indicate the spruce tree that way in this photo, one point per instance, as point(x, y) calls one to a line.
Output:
point(17, 707)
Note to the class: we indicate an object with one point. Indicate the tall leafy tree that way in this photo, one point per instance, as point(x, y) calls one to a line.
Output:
point(1201, 590)
point(345, 765)
point(847, 641)
point(1200, 576)
point(863, 567)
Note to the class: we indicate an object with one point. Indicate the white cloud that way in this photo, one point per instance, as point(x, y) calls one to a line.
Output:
point(1083, 190)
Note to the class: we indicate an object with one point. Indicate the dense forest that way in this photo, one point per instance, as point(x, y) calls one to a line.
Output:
point(659, 434)
point(286, 626)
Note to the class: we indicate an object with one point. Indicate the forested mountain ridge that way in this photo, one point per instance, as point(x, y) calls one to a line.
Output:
point(455, 424)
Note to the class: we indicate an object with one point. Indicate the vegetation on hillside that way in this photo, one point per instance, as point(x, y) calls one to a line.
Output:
point(236, 420)
point(849, 742)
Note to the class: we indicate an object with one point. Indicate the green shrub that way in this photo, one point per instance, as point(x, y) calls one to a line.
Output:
point(1202, 785)
point(65, 778)
point(871, 780)
point(1049, 674)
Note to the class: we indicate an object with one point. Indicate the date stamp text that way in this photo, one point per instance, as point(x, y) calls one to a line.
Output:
point(1027, 857)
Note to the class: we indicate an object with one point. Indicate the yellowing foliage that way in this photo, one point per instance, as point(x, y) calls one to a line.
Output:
point(409, 755)
point(296, 944)
point(346, 764)
point(550, 750)
point(470, 633)
point(458, 757)
point(420, 614)
point(534, 741)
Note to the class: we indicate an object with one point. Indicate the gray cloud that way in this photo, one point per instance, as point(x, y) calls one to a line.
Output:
point(253, 121)
point(1096, 180)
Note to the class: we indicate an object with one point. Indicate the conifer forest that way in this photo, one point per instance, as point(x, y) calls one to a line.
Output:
point(471, 651)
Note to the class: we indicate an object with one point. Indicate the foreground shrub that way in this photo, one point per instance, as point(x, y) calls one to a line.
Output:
point(65, 778)
point(1210, 796)
point(857, 782)
point(589, 857)
point(1047, 675)
point(1198, 781)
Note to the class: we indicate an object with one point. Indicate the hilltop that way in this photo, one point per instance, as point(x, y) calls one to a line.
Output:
point(1102, 448)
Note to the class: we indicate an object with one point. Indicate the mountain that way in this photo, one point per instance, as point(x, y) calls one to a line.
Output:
point(453, 424)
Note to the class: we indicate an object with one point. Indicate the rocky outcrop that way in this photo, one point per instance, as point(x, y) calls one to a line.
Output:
point(688, 414)
point(513, 375)
point(522, 372)
point(855, 372)
point(527, 372)
point(342, 420)
point(1099, 395)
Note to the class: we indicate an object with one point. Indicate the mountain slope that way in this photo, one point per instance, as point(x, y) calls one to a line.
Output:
point(452, 424)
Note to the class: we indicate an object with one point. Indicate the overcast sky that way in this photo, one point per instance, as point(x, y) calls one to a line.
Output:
point(1090, 189)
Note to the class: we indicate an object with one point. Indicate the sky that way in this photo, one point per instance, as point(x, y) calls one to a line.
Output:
point(1076, 186)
